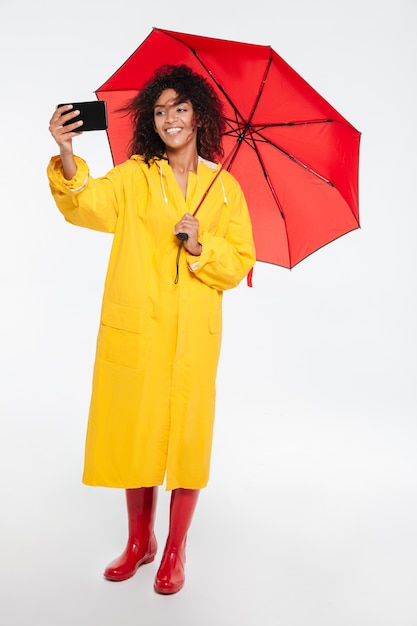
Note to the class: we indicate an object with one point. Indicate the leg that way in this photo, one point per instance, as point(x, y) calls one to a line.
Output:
point(141, 544)
point(170, 577)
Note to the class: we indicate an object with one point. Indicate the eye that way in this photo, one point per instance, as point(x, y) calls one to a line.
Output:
point(159, 113)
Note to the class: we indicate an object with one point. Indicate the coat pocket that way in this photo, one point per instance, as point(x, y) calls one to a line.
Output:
point(215, 320)
point(124, 335)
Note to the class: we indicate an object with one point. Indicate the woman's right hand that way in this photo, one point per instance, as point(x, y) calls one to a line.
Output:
point(63, 136)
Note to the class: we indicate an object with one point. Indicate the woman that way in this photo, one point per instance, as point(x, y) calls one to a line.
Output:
point(153, 397)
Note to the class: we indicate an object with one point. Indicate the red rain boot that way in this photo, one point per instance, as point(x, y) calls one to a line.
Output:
point(170, 577)
point(141, 544)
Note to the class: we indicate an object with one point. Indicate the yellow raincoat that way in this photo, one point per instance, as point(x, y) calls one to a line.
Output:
point(153, 396)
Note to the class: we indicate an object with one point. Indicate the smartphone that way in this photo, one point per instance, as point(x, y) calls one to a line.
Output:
point(93, 114)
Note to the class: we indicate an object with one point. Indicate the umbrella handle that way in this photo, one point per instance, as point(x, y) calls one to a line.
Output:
point(182, 236)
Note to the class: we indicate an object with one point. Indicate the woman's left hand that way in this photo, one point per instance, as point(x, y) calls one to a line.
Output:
point(189, 225)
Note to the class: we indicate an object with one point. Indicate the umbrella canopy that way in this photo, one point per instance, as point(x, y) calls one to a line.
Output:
point(294, 155)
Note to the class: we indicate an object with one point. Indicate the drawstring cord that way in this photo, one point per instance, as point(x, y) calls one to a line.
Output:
point(177, 263)
point(223, 189)
point(162, 184)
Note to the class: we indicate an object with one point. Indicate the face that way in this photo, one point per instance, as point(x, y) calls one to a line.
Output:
point(175, 121)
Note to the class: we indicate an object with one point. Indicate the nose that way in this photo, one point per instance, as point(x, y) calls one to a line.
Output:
point(171, 115)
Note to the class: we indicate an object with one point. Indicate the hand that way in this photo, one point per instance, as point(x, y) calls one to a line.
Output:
point(189, 225)
point(63, 136)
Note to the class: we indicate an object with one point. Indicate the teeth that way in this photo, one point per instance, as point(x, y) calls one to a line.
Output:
point(173, 130)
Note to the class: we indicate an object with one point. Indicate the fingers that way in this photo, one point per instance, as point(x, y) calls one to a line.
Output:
point(59, 132)
point(59, 111)
point(188, 224)
point(61, 115)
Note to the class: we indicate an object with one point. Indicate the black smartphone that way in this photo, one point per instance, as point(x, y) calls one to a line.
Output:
point(93, 114)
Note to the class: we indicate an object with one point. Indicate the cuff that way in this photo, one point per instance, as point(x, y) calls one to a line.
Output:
point(77, 183)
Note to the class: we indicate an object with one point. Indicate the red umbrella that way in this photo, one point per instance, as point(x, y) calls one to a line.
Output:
point(294, 155)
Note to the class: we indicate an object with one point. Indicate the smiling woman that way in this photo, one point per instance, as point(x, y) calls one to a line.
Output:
point(153, 398)
point(176, 125)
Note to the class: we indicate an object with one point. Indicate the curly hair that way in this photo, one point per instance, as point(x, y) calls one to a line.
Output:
point(189, 86)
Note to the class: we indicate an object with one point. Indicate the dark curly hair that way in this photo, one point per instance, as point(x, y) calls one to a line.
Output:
point(189, 86)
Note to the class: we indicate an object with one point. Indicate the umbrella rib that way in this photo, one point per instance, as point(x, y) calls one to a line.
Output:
point(268, 181)
point(260, 90)
point(229, 160)
point(274, 196)
point(257, 128)
point(300, 123)
point(216, 82)
point(252, 144)
point(246, 123)
point(295, 160)
point(263, 139)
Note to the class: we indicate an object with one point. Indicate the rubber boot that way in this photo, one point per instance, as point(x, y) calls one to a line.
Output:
point(170, 577)
point(141, 544)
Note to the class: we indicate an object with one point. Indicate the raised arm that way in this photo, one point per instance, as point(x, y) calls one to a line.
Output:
point(63, 136)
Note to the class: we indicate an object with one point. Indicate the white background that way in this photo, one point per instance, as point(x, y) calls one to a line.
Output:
point(310, 516)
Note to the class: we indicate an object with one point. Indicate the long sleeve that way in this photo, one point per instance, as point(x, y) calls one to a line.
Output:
point(226, 260)
point(83, 200)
